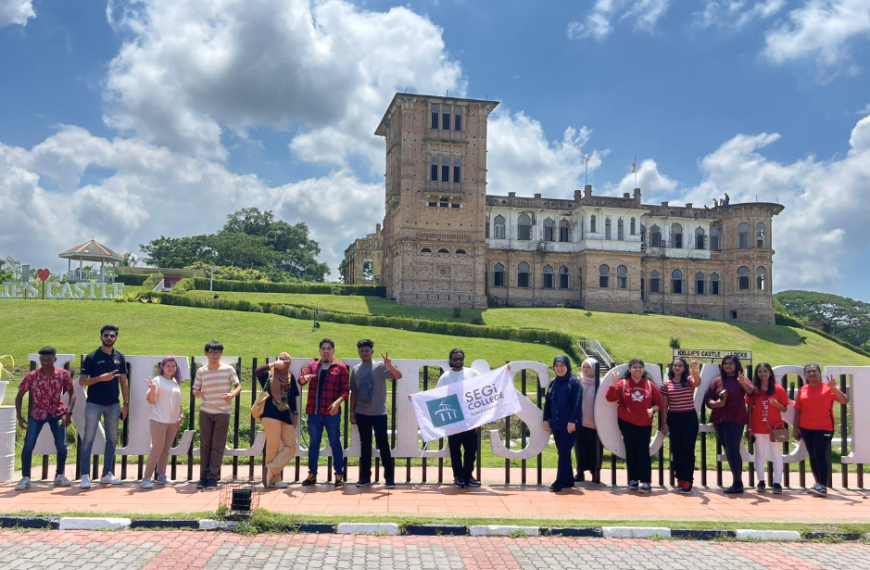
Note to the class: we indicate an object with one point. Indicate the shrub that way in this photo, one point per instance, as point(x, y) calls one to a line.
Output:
point(789, 321)
point(149, 284)
point(131, 279)
point(675, 343)
point(201, 283)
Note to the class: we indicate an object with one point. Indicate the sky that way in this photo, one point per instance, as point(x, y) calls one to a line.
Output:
point(130, 119)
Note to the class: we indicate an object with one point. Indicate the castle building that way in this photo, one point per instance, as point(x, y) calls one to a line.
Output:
point(362, 260)
point(446, 243)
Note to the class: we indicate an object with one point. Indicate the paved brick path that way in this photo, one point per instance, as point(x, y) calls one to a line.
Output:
point(189, 550)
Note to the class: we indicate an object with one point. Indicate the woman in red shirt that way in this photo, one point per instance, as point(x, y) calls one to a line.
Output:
point(765, 414)
point(638, 399)
point(681, 420)
point(814, 422)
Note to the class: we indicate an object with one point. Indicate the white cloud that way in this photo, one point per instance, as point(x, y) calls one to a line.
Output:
point(520, 158)
point(864, 111)
point(155, 191)
point(194, 70)
point(821, 30)
point(735, 13)
point(16, 12)
point(653, 182)
point(598, 23)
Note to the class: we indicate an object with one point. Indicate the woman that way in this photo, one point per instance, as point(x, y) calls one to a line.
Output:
point(278, 419)
point(681, 420)
point(164, 395)
point(814, 422)
point(588, 451)
point(562, 415)
point(765, 414)
point(726, 397)
point(638, 400)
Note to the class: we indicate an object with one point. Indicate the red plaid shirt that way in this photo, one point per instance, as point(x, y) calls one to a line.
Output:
point(45, 392)
point(337, 385)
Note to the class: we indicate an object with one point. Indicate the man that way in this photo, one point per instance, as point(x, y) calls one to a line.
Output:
point(463, 468)
point(104, 374)
point(368, 410)
point(217, 384)
point(46, 385)
point(329, 388)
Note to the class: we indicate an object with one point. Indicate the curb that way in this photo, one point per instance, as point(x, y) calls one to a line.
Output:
point(369, 528)
point(164, 523)
point(94, 523)
point(209, 524)
point(29, 522)
point(436, 530)
point(775, 535)
point(577, 531)
point(704, 534)
point(316, 528)
point(636, 531)
point(503, 530)
point(818, 535)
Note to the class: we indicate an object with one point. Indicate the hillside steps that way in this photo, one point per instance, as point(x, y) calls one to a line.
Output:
point(594, 349)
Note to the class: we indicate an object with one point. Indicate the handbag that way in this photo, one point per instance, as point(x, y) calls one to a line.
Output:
point(260, 404)
point(779, 434)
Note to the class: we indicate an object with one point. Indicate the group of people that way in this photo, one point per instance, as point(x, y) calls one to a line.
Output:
point(736, 402)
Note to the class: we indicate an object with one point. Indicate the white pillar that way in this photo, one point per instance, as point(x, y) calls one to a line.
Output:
point(68, 267)
point(81, 264)
point(102, 270)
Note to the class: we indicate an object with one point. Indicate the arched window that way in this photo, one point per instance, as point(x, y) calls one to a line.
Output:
point(548, 277)
point(564, 278)
point(462, 251)
point(592, 229)
point(604, 277)
point(700, 239)
point(677, 236)
point(631, 227)
point(607, 228)
point(655, 282)
point(715, 284)
point(442, 250)
point(760, 278)
point(677, 281)
point(549, 230)
point(525, 224)
point(700, 288)
point(759, 235)
point(622, 277)
point(498, 275)
point(564, 231)
point(743, 279)
point(425, 250)
point(523, 275)
point(743, 235)
point(620, 230)
point(499, 227)
point(655, 236)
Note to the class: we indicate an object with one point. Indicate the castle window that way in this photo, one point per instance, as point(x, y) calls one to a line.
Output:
point(549, 227)
point(433, 204)
point(580, 281)
point(523, 275)
point(525, 227)
point(454, 205)
point(714, 239)
point(632, 227)
point(607, 228)
point(604, 277)
point(445, 118)
point(564, 231)
point(460, 251)
point(457, 118)
point(592, 229)
point(564, 278)
point(699, 283)
point(499, 227)
point(760, 278)
point(444, 202)
point(677, 236)
point(759, 235)
point(433, 168)
point(548, 277)
point(620, 230)
point(677, 281)
point(655, 282)
point(445, 171)
point(743, 235)
point(457, 170)
point(622, 277)
point(434, 116)
point(442, 250)
point(714, 284)
point(425, 250)
point(655, 236)
point(700, 239)
point(743, 278)
point(498, 275)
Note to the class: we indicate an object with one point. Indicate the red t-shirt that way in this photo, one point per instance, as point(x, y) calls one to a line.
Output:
point(45, 392)
point(764, 414)
point(816, 405)
point(635, 400)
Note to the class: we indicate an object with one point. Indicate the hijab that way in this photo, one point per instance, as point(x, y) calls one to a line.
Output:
point(588, 380)
point(283, 375)
point(564, 360)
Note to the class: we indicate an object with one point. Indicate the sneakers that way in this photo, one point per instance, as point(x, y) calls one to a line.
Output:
point(164, 480)
point(459, 483)
point(734, 490)
point(147, 484)
point(777, 489)
point(61, 481)
point(110, 479)
point(555, 487)
point(210, 484)
point(279, 485)
point(472, 482)
point(633, 485)
point(646, 488)
point(23, 484)
point(390, 485)
point(363, 483)
point(686, 489)
point(818, 489)
point(86, 482)
point(761, 486)
point(310, 480)
point(339, 480)
point(201, 484)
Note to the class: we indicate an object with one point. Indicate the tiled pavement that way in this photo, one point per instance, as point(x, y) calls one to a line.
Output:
point(191, 550)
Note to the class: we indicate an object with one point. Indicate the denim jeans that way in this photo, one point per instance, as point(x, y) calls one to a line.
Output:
point(32, 434)
point(111, 418)
point(316, 423)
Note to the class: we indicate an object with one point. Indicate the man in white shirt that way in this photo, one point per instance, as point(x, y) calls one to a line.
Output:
point(463, 469)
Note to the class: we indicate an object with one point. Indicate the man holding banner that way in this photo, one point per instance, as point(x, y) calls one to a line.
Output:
point(463, 401)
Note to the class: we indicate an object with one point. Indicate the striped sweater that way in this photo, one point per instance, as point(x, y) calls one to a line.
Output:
point(215, 383)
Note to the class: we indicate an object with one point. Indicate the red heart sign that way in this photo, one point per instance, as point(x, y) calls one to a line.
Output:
point(43, 274)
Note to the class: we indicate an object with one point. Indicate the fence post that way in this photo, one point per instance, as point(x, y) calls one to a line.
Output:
point(190, 420)
point(662, 448)
point(785, 446)
point(254, 423)
point(238, 405)
point(844, 440)
point(507, 461)
point(802, 465)
point(704, 445)
point(440, 444)
point(425, 387)
point(523, 429)
point(750, 443)
point(540, 470)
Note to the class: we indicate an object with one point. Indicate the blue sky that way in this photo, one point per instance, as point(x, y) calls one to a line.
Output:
point(128, 120)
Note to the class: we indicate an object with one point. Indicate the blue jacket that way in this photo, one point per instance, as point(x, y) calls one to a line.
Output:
point(564, 403)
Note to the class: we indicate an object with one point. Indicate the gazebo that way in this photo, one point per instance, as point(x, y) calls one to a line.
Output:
point(91, 251)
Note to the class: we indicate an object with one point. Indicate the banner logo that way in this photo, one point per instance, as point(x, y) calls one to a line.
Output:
point(445, 411)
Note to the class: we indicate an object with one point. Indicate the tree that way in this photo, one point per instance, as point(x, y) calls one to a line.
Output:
point(9, 268)
point(129, 260)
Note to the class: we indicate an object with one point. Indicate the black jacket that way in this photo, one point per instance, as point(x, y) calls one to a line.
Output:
point(564, 403)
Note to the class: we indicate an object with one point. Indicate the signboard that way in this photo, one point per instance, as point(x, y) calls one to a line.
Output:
point(57, 290)
point(712, 354)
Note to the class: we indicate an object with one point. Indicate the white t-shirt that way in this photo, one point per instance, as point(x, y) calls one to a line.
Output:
point(166, 408)
point(451, 377)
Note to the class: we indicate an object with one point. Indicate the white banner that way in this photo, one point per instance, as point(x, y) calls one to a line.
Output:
point(465, 405)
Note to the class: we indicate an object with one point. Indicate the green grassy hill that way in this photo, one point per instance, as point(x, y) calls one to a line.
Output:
point(626, 336)
point(845, 318)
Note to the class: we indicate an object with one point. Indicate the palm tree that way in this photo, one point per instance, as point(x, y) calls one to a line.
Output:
point(129, 260)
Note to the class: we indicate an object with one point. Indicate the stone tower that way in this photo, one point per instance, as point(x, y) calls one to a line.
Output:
point(434, 224)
